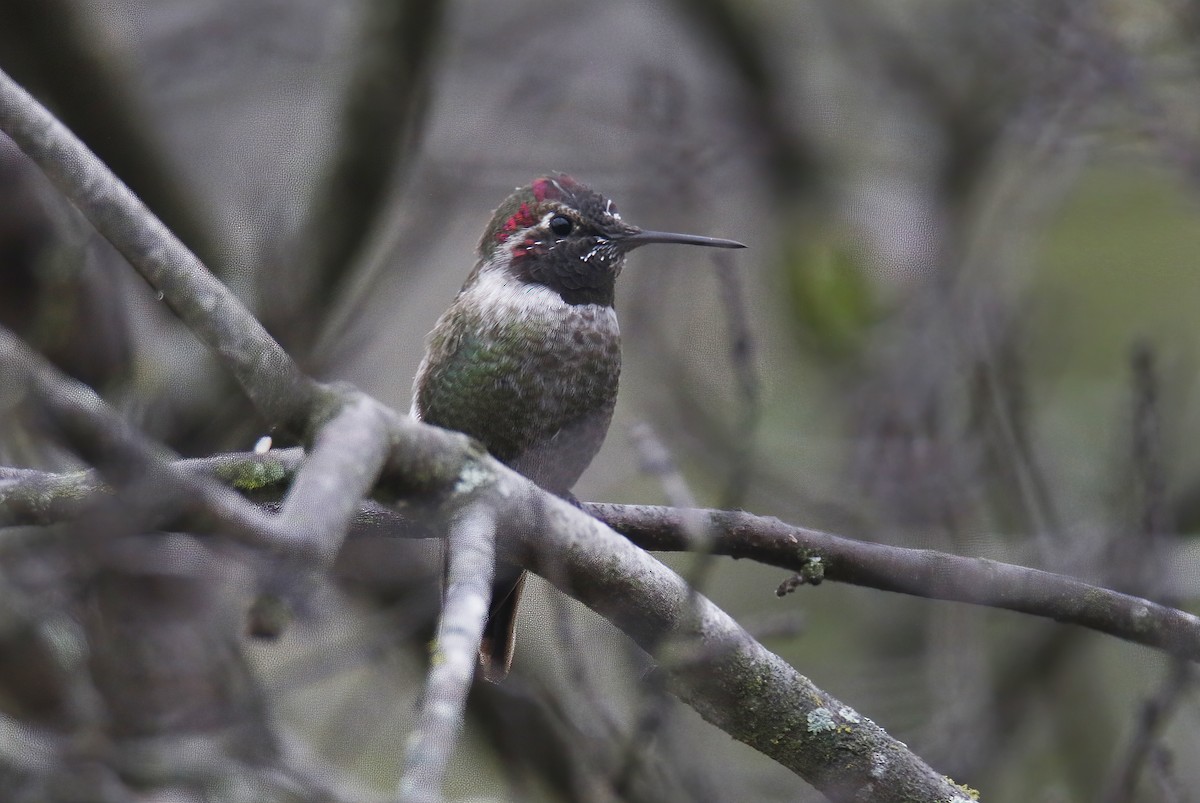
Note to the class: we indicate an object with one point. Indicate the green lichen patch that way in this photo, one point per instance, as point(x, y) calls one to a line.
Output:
point(253, 475)
point(971, 795)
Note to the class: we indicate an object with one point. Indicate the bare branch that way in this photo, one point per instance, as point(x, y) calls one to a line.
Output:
point(340, 472)
point(919, 572)
point(278, 389)
point(100, 435)
point(657, 461)
point(742, 355)
point(1152, 721)
point(471, 564)
point(29, 497)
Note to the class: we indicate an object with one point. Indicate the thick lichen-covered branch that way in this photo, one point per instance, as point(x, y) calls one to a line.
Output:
point(734, 682)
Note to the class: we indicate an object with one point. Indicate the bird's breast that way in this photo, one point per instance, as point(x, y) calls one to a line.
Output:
point(532, 377)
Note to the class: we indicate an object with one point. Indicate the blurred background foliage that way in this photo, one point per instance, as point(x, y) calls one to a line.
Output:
point(967, 321)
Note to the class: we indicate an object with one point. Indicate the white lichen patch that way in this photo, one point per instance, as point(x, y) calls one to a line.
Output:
point(473, 475)
point(820, 720)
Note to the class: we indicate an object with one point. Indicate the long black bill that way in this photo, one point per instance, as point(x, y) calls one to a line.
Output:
point(631, 241)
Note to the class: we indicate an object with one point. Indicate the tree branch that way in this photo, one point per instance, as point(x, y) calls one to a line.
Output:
point(737, 684)
point(101, 436)
point(278, 389)
point(340, 471)
point(471, 563)
point(34, 497)
point(920, 572)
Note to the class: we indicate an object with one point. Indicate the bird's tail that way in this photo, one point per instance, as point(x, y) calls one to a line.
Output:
point(500, 630)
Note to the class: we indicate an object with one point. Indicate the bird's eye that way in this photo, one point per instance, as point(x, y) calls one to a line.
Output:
point(560, 225)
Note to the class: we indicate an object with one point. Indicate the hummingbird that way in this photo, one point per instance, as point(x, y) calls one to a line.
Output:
point(527, 357)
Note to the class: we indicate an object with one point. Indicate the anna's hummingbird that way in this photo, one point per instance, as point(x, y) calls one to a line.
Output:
point(526, 359)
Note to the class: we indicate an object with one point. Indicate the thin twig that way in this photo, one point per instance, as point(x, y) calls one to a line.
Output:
point(1152, 720)
point(656, 460)
point(749, 385)
point(1156, 523)
point(1148, 463)
point(1003, 388)
point(470, 566)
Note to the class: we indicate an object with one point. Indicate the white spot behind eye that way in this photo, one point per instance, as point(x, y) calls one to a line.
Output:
point(597, 250)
